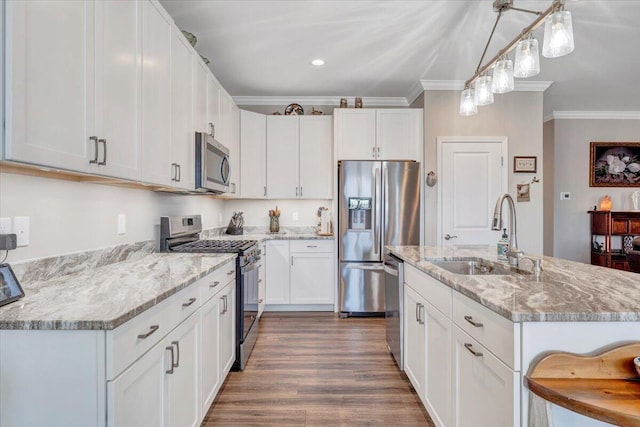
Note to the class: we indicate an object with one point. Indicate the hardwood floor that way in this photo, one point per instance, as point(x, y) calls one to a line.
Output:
point(314, 369)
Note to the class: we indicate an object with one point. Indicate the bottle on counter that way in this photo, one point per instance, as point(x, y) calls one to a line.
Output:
point(503, 245)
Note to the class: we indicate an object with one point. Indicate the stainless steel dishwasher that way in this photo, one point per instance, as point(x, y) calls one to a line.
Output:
point(394, 297)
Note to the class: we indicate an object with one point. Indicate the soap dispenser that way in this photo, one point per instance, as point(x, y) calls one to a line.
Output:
point(503, 245)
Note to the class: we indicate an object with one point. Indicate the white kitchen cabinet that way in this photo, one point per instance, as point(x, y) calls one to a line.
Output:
point(414, 344)
point(379, 134)
point(182, 109)
point(200, 72)
point(316, 160)
point(156, 95)
point(438, 342)
point(228, 135)
point(227, 347)
point(485, 390)
point(213, 105)
point(277, 272)
point(262, 282)
point(311, 274)
point(182, 379)
point(282, 157)
point(211, 379)
point(253, 155)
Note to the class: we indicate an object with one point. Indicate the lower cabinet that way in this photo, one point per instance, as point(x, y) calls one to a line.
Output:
point(262, 282)
point(211, 380)
point(438, 364)
point(414, 350)
point(227, 344)
point(300, 273)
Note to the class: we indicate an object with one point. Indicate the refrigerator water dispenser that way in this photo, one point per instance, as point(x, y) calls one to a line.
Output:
point(360, 213)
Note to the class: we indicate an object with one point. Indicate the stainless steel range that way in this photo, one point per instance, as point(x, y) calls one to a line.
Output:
point(182, 234)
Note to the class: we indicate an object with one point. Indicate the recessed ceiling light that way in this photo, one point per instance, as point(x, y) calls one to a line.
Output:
point(317, 62)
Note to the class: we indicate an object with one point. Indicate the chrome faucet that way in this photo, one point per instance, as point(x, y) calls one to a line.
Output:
point(513, 254)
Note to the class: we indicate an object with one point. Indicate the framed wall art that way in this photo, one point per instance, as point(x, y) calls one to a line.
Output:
point(614, 164)
point(522, 164)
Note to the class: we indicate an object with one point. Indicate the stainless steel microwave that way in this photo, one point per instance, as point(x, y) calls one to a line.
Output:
point(212, 165)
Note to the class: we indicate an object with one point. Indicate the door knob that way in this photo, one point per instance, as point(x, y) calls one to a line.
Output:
point(448, 237)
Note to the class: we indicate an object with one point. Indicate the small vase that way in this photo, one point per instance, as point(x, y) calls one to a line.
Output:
point(274, 224)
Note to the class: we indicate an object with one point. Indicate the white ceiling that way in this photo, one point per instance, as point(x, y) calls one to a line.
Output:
point(384, 48)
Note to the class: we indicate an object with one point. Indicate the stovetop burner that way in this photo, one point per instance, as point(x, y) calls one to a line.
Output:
point(215, 246)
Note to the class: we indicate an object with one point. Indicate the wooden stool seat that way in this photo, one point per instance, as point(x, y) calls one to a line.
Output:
point(605, 386)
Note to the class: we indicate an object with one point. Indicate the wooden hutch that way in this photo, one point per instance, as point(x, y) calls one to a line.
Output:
point(606, 225)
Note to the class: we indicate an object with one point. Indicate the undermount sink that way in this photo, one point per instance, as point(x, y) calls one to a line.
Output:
point(475, 267)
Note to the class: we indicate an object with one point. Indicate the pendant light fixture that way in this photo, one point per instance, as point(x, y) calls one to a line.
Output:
point(558, 41)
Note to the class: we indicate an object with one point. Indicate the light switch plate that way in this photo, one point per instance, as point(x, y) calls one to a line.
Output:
point(122, 224)
point(295, 216)
point(5, 225)
point(21, 228)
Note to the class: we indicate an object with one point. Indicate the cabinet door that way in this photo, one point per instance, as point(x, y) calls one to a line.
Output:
point(355, 133)
point(278, 272)
point(485, 390)
point(117, 88)
point(253, 159)
point(213, 105)
point(200, 96)
point(315, 157)
point(262, 282)
point(182, 135)
point(311, 278)
point(210, 380)
point(399, 133)
point(182, 404)
point(414, 340)
point(156, 95)
point(282, 157)
point(438, 394)
point(227, 329)
point(49, 104)
point(136, 397)
point(229, 138)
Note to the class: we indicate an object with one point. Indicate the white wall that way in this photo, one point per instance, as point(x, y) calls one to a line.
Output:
point(516, 115)
point(67, 216)
point(256, 212)
point(572, 138)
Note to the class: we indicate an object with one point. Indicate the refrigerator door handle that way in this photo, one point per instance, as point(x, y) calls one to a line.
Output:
point(376, 219)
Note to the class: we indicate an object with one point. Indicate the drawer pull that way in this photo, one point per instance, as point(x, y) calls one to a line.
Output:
point(260, 301)
point(170, 370)
point(312, 246)
point(470, 320)
point(177, 344)
point(471, 350)
point(187, 304)
point(259, 280)
point(214, 284)
point(230, 272)
point(421, 314)
point(152, 329)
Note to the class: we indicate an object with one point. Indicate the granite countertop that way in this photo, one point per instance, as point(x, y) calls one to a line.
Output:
point(565, 291)
point(107, 296)
point(262, 234)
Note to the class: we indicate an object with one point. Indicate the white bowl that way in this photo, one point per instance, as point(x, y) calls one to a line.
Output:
point(636, 362)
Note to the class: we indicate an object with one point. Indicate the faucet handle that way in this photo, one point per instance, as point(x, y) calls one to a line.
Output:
point(537, 264)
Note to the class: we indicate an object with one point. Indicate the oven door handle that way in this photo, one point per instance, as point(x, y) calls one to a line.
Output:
point(249, 267)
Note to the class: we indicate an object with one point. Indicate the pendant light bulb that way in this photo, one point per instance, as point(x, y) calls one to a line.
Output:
point(502, 76)
point(468, 105)
point(558, 35)
point(527, 58)
point(483, 94)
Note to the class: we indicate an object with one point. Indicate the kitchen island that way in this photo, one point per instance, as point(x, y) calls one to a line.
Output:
point(470, 339)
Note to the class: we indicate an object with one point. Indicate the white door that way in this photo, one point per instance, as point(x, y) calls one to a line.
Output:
point(210, 358)
point(253, 147)
point(398, 134)
point(315, 157)
point(117, 85)
point(156, 95)
point(278, 272)
point(472, 178)
point(50, 92)
point(311, 278)
point(282, 157)
point(182, 135)
point(355, 133)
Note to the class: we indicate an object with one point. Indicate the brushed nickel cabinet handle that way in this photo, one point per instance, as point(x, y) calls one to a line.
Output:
point(177, 344)
point(179, 172)
point(104, 158)
point(214, 284)
point(152, 329)
point(378, 151)
point(421, 314)
point(265, 191)
point(174, 171)
point(474, 323)
point(230, 272)
point(189, 302)
point(373, 154)
point(260, 301)
point(472, 351)
point(170, 370)
point(300, 191)
point(95, 148)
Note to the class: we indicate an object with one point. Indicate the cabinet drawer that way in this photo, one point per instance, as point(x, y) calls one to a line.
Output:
point(432, 290)
point(213, 283)
point(620, 226)
point(494, 332)
point(634, 226)
point(311, 246)
point(185, 303)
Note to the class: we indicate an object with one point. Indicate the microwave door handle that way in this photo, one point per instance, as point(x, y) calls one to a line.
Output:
point(224, 167)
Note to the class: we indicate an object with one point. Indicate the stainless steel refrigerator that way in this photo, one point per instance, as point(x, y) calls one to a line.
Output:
point(378, 205)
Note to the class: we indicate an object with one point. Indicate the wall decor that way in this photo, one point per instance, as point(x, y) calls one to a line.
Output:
point(523, 193)
point(525, 164)
point(614, 164)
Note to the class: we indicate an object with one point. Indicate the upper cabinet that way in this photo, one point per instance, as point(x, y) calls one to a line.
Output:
point(315, 157)
point(253, 154)
point(282, 157)
point(378, 134)
point(228, 134)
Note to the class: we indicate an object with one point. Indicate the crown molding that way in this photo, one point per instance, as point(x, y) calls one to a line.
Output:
point(593, 115)
point(416, 90)
point(319, 100)
point(519, 86)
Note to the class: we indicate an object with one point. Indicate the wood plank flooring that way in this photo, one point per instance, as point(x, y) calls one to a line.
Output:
point(314, 369)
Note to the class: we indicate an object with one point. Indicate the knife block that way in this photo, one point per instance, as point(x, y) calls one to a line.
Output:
point(233, 230)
